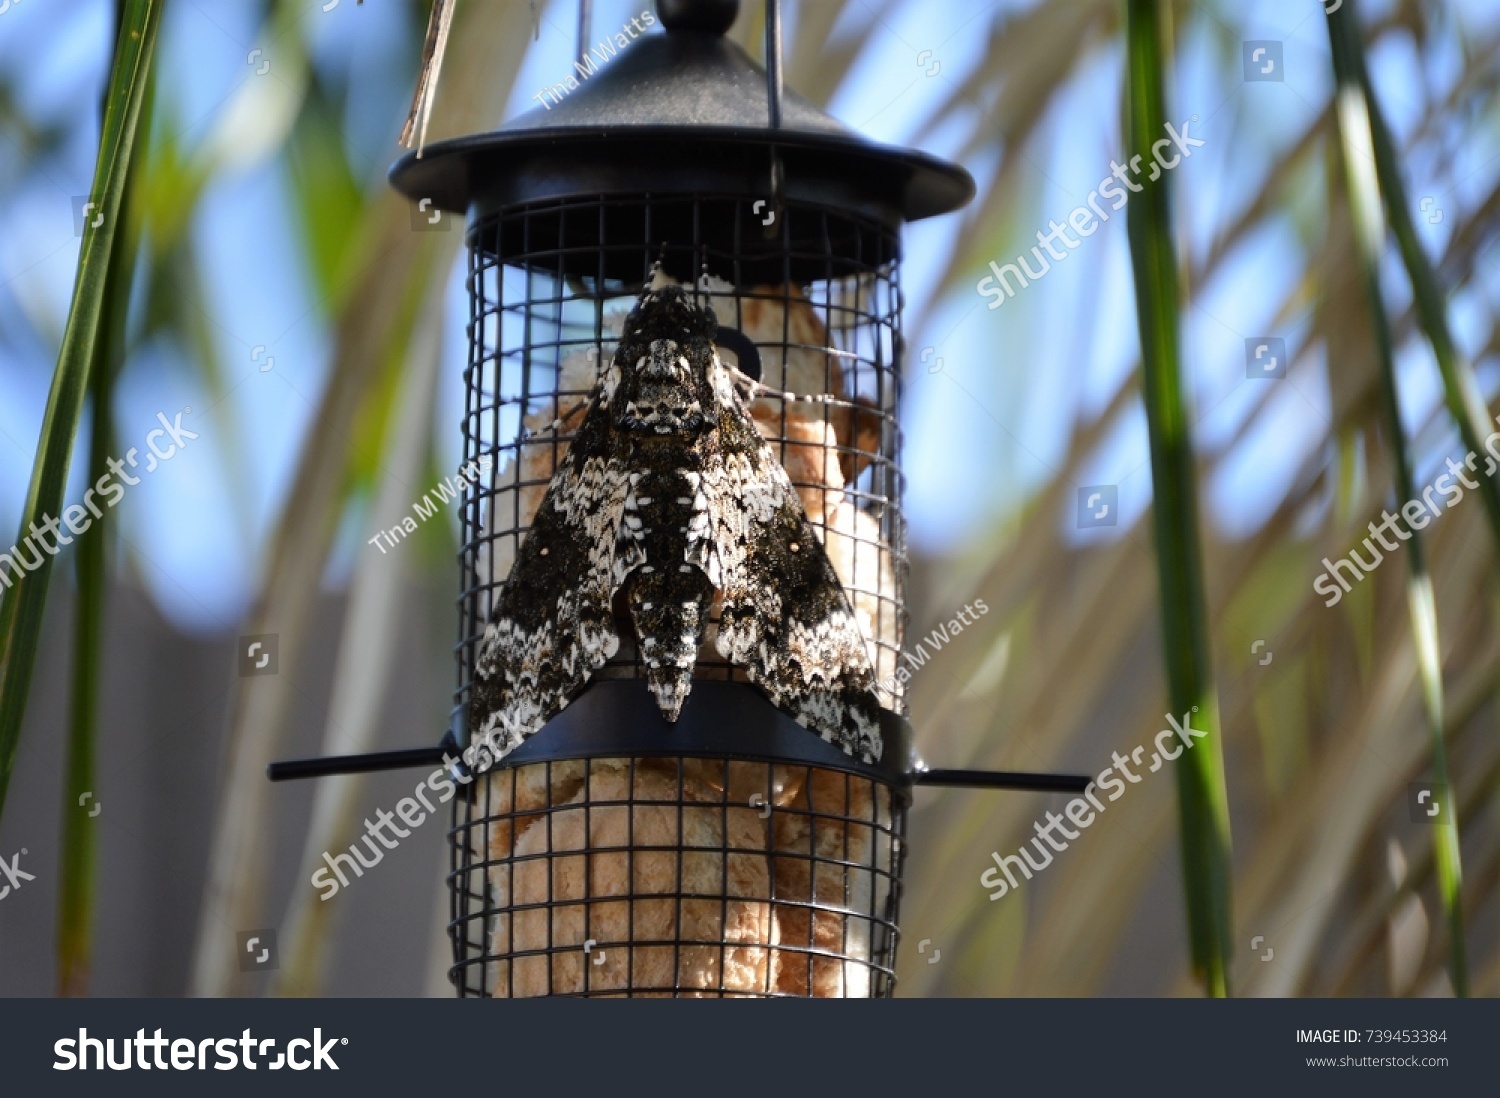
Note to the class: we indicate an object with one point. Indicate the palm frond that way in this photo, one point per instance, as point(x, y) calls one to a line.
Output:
point(1465, 398)
point(76, 877)
point(21, 609)
point(1364, 190)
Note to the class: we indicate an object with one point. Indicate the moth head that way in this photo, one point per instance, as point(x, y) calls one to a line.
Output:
point(666, 311)
point(664, 362)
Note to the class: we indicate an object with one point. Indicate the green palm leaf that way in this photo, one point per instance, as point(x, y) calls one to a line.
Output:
point(1357, 122)
point(21, 610)
point(1203, 806)
point(76, 891)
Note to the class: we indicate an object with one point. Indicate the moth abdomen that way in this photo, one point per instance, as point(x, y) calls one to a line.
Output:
point(670, 598)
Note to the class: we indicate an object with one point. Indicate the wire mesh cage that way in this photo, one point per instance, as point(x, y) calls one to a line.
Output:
point(676, 876)
point(687, 875)
point(819, 318)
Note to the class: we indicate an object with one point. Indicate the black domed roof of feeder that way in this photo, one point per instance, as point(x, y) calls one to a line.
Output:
point(681, 112)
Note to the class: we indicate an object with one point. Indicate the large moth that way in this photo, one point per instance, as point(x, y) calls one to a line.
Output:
point(667, 498)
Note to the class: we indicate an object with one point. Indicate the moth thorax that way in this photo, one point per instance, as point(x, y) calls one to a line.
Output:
point(663, 410)
point(666, 362)
point(664, 399)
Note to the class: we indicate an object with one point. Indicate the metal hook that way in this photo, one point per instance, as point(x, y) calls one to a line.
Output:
point(773, 63)
point(585, 18)
point(745, 351)
point(774, 91)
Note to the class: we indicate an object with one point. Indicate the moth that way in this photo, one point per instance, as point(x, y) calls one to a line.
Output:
point(667, 498)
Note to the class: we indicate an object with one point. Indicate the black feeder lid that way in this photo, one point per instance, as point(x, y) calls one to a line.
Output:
point(679, 113)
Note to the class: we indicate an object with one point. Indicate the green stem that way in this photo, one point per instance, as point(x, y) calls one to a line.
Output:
point(1203, 802)
point(80, 792)
point(1465, 399)
point(26, 592)
point(1365, 181)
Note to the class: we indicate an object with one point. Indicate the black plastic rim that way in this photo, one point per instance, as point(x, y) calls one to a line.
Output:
point(618, 717)
point(482, 173)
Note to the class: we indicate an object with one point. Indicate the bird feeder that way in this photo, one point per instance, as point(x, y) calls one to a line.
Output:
point(733, 852)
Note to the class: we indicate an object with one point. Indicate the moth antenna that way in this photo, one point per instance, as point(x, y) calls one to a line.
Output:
point(658, 267)
point(755, 388)
point(659, 280)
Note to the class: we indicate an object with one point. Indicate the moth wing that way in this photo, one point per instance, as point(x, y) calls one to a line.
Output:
point(551, 626)
point(785, 617)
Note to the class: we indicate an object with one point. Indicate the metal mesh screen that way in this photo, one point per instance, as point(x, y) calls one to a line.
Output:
point(676, 876)
point(816, 294)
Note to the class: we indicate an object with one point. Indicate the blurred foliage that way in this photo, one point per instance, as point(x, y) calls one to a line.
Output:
point(1321, 741)
point(1368, 177)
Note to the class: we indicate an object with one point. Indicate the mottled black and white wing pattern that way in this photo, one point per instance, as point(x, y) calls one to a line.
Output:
point(784, 616)
point(551, 626)
point(668, 497)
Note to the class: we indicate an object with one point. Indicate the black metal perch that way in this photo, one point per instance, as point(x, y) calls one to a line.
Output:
point(407, 758)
